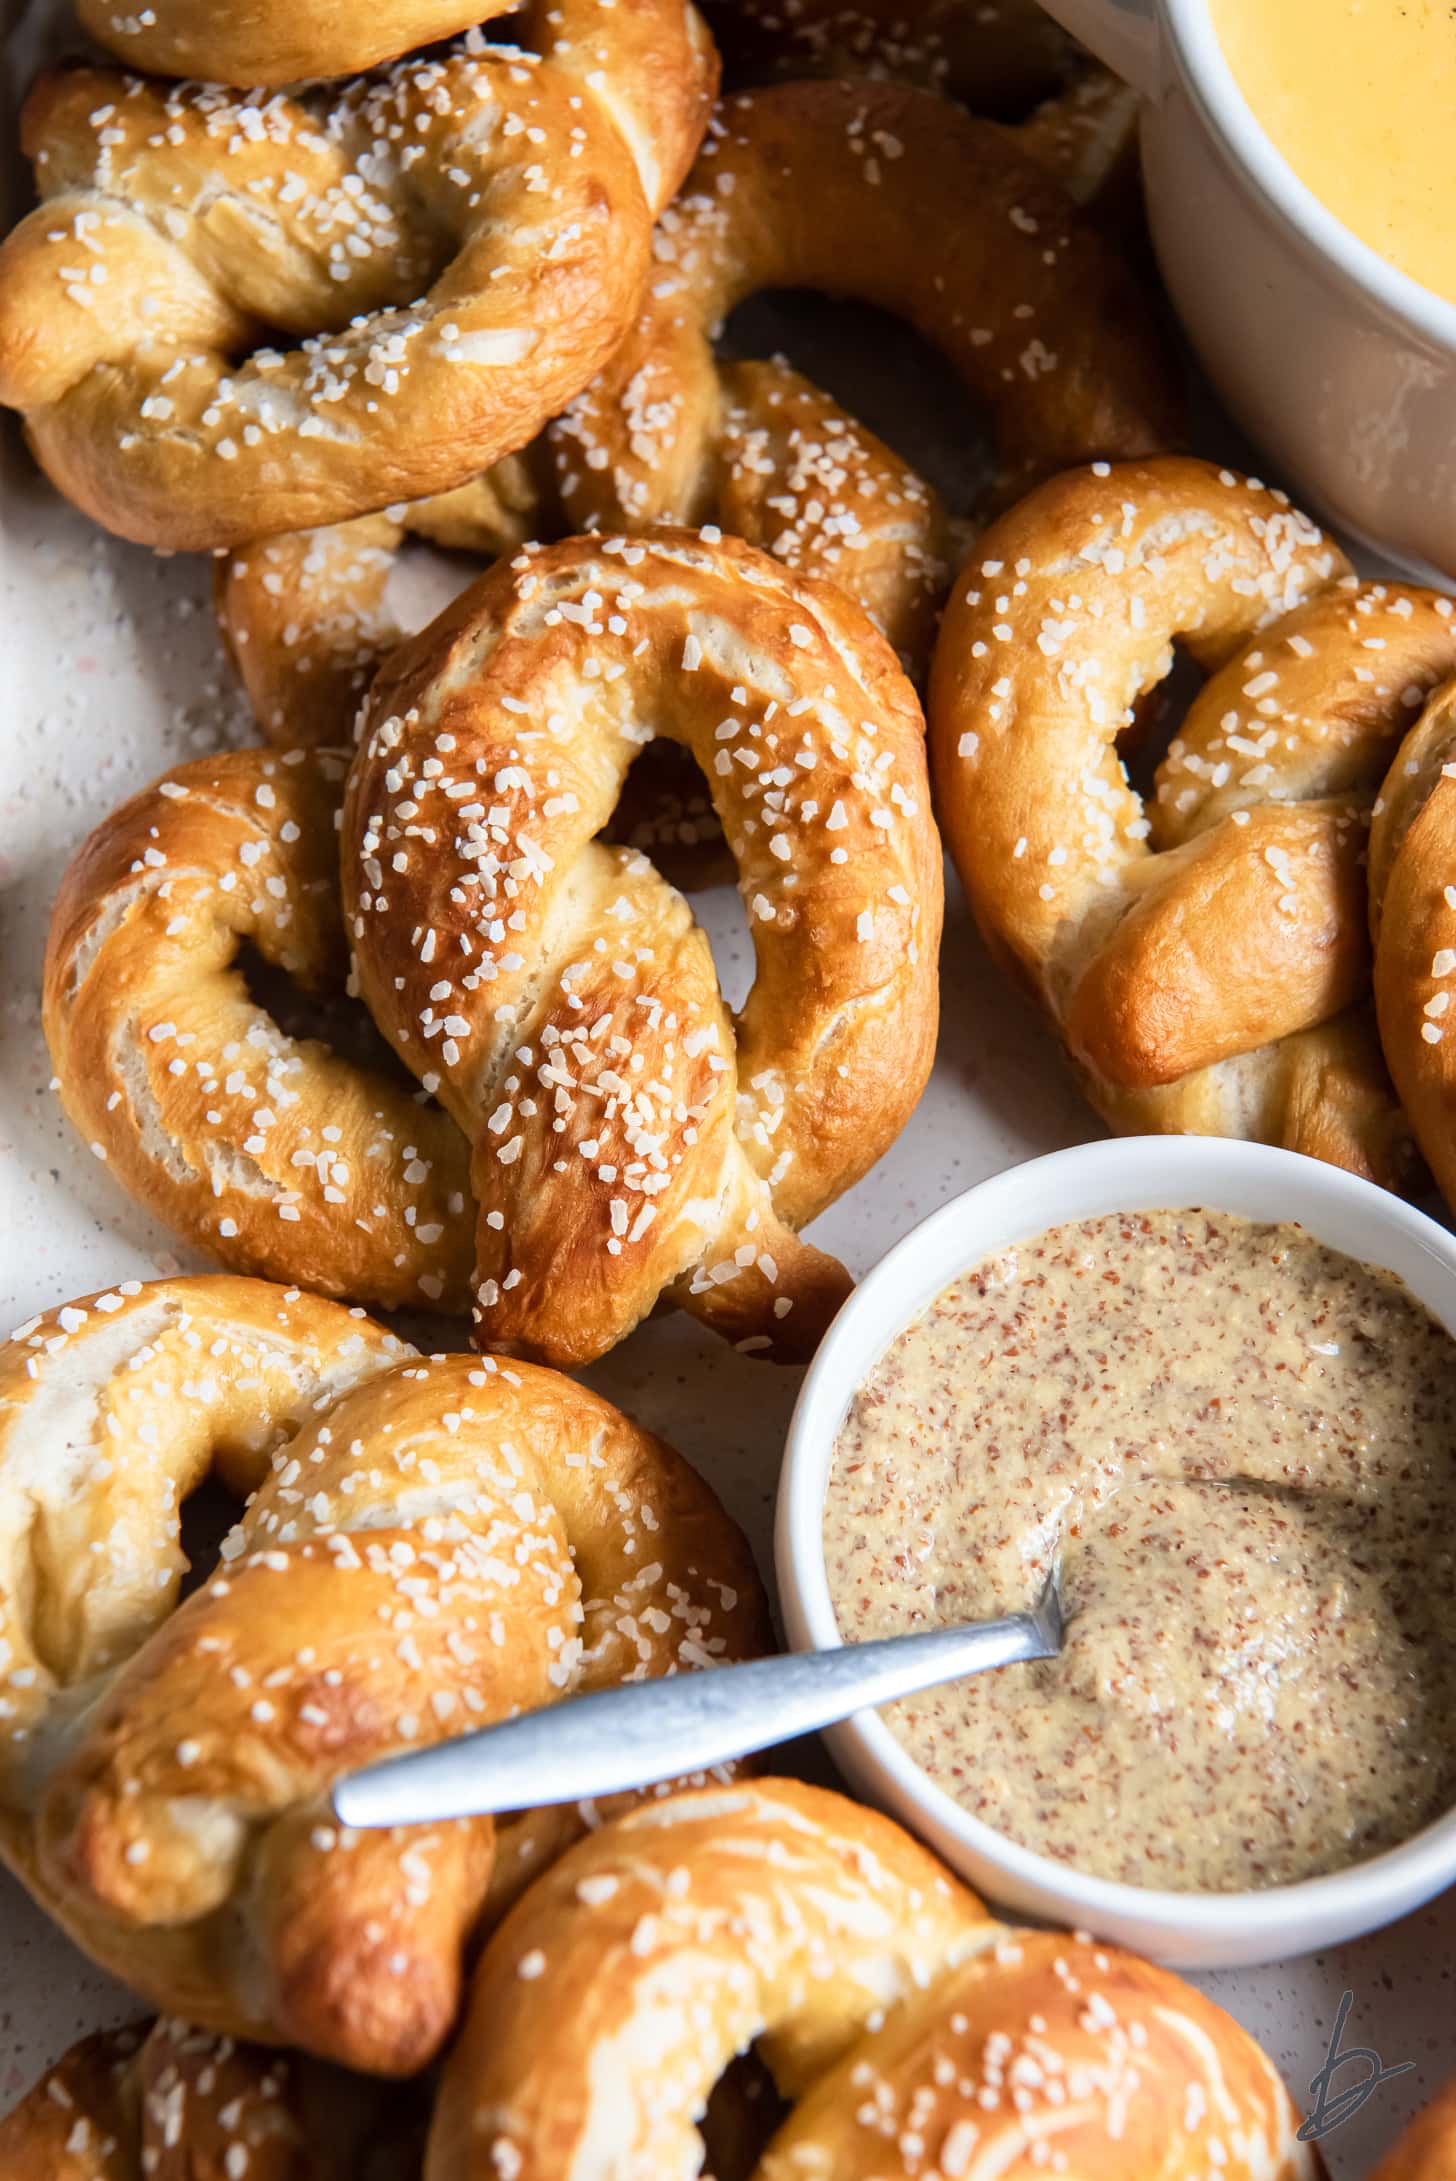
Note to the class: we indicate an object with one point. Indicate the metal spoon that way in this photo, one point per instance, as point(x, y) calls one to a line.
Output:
point(644, 1731)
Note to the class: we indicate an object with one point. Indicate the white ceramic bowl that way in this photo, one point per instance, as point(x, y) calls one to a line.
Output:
point(1188, 1930)
point(1342, 367)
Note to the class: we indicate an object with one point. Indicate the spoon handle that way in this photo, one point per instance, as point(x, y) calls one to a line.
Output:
point(645, 1731)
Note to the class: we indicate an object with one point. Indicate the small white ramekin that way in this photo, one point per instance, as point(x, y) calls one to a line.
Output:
point(1187, 1930)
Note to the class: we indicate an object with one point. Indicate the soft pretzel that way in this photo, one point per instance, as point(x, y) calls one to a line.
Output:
point(830, 185)
point(430, 1544)
point(1413, 918)
point(1204, 956)
point(630, 1140)
point(447, 254)
point(274, 1154)
point(178, 2104)
point(1427, 2150)
point(913, 2035)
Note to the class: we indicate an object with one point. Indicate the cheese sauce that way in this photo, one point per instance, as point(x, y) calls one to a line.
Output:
point(1240, 1449)
point(1359, 95)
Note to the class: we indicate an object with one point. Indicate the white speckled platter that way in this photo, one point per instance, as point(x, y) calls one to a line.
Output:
point(111, 674)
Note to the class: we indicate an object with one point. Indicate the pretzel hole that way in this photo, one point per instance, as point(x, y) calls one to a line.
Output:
point(1158, 716)
point(330, 1018)
point(883, 373)
point(206, 1516)
point(744, 2111)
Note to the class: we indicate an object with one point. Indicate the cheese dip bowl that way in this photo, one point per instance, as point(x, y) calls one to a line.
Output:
point(1338, 363)
point(1231, 1182)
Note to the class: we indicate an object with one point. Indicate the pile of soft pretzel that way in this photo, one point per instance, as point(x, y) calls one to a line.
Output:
point(406, 1009)
point(303, 324)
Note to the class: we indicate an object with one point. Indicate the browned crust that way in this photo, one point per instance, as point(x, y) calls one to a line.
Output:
point(671, 1149)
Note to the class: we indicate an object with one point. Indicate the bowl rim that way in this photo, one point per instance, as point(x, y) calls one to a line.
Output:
point(1245, 142)
point(1128, 1174)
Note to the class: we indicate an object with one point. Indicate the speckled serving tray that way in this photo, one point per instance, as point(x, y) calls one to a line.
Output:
point(112, 673)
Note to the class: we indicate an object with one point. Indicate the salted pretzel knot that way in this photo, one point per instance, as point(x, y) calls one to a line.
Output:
point(1413, 918)
point(175, 2103)
point(429, 1543)
point(447, 254)
point(1204, 956)
point(827, 185)
point(630, 1139)
point(911, 2034)
point(277, 1154)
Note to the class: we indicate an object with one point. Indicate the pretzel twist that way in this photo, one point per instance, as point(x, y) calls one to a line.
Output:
point(451, 250)
point(277, 1155)
point(1204, 957)
point(1413, 917)
point(827, 186)
point(913, 2035)
point(178, 2104)
point(428, 1544)
point(630, 1141)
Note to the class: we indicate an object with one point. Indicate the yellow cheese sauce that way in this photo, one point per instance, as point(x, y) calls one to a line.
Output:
point(1359, 96)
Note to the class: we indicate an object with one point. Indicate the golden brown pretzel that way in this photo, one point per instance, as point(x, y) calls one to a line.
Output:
point(178, 2104)
point(630, 1140)
point(830, 185)
point(171, 2103)
point(1427, 2150)
point(273, 42)
point(429, 1543)
point(913, 2035)
point(1204, 958)
point(452, 249)
point(272, 1153)
point(1413, 918)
